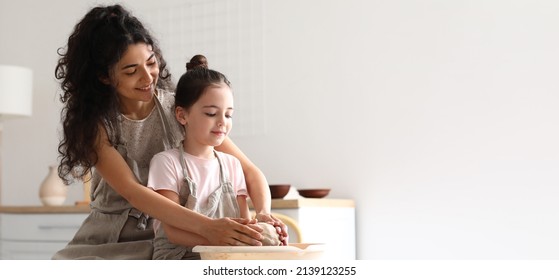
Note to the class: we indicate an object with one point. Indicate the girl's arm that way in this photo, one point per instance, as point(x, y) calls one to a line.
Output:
point(113, 168)
point(257, 187)
point(243, 206)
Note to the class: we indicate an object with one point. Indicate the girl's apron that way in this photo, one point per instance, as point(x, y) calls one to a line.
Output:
point(221, 203)
point(114, 229)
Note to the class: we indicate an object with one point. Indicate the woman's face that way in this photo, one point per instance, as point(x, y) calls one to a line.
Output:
point(209, 120)
point(135, 75)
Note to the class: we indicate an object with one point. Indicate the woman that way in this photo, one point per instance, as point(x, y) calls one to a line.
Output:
point(117, 114)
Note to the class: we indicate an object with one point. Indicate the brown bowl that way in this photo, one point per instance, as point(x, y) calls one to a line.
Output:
point(314, 193)
point(279, 190)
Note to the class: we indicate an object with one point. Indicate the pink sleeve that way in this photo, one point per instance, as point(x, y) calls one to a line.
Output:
point(163, 174)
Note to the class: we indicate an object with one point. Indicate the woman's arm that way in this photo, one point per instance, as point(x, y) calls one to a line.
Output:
point(176, 235)
point(116, 172)
point(180, 237)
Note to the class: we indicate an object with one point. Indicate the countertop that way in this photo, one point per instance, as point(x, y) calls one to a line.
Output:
point(40, 209)
point(276, 204)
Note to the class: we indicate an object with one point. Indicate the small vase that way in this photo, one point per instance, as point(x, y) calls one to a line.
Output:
point(53, 191)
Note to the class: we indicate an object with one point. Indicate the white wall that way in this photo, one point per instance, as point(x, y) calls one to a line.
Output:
point(437, 117)
point(30, 34)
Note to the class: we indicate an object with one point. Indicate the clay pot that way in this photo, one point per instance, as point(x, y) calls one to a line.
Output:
point(279, 190)
point(314, 193)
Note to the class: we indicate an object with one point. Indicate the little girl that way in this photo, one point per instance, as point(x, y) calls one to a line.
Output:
point(194, 174)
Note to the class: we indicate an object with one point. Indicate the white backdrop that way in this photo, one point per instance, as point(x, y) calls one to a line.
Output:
point(437, 117)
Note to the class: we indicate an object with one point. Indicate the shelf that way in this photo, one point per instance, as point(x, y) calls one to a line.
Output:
point(39, 209)
point(311, 202)
point(276, 204)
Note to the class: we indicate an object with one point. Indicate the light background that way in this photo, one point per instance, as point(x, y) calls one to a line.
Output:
point(439, 118)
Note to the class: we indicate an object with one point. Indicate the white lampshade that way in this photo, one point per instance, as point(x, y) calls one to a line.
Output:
point(16, 88)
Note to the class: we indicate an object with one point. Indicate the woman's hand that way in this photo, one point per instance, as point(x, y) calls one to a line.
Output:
point(252, 223)
point(233, 232)
point(281, 228)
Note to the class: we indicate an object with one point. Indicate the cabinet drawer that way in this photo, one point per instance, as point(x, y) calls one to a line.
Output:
point(40, 227)
point(17, 250)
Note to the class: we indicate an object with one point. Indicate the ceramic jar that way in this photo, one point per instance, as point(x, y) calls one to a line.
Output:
point(53, 191)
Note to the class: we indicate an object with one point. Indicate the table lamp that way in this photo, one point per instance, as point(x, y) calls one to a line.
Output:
point(16, 88)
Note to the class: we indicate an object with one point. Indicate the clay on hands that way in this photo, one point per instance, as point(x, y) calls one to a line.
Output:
point(270, 234)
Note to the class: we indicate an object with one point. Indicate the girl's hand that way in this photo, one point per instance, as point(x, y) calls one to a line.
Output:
point(245, 221)
point(249, 222)
point(281, 228)
point(232, 232)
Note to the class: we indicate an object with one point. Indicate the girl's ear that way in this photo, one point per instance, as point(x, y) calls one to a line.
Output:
point(181, 115)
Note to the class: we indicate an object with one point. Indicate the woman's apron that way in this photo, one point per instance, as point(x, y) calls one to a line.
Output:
point(114, 229)
point(221, 203)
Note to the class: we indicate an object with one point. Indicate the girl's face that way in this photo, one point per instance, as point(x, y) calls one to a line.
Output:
point(135, 75)
point(209, 120)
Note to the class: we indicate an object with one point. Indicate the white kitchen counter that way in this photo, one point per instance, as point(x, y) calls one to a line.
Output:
point(36, 232)
point(276, 204)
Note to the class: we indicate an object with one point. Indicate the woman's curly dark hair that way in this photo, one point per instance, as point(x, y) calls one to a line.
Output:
point(96, 44)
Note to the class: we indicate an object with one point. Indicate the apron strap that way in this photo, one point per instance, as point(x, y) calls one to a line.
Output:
point(185, 170)
point(142, 218)
point(222, 175)
point(170, 138)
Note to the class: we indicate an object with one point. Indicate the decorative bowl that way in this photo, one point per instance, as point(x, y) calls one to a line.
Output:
point(279, 190)
point(314, 193)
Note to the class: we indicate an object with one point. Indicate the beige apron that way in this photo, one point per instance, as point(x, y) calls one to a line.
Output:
point(114, 229)
point(221, 203)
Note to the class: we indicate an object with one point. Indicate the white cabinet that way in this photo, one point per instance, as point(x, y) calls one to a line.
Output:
point(38, 232)
point(328, 221)
point(36, 236)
